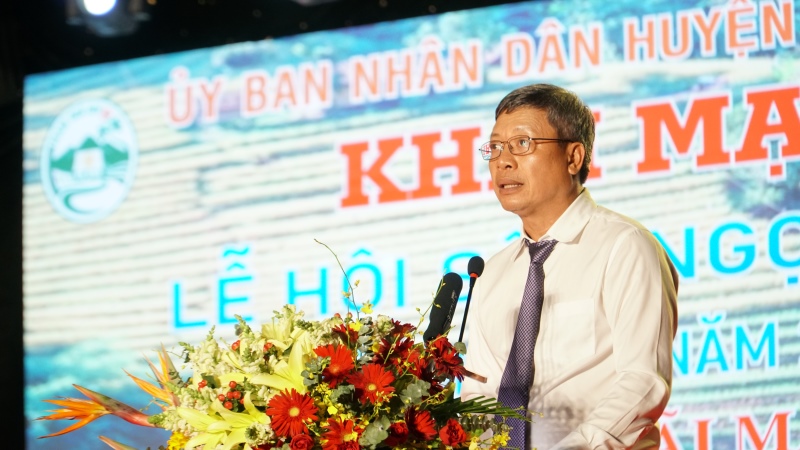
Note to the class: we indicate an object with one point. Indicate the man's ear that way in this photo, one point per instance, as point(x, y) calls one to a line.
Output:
point(576, 153)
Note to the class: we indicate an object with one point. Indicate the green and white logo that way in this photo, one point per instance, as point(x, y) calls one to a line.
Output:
point(89, 160)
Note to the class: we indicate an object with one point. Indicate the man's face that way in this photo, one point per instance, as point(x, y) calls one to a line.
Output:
point(535, 183)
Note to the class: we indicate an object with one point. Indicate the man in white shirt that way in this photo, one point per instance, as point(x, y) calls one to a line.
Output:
point(603, 356)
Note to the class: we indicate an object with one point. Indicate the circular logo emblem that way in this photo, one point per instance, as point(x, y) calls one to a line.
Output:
point(89, 160)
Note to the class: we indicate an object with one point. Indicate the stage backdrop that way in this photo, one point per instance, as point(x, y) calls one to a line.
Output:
point(167, 194)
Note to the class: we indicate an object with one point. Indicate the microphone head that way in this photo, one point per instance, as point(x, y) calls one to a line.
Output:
point(444, 305)
point(475, 266)
point(453, 282)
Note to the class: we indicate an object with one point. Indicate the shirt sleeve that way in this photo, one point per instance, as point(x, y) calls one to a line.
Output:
point(639, 301)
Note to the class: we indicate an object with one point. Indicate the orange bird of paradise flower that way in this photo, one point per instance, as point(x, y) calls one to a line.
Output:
point(99, 405)
point(86, 411)
point(166, 374)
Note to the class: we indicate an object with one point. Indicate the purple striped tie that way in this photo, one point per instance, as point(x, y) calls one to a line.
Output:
point(515, 386)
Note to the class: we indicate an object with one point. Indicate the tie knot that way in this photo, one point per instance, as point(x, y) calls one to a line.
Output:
point(540, 250)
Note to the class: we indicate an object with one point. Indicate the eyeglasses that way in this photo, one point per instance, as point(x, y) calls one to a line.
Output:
point(517, 145)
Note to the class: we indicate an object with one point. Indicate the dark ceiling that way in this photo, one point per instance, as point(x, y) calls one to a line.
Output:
point(48, 43)
point(35, 36)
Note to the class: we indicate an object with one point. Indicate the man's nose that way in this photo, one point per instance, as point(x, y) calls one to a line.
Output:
point(506, 159)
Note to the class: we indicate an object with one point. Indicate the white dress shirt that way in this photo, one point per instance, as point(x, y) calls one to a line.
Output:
point(603, 358)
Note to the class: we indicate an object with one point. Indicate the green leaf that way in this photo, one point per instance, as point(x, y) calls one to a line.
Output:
point(461, 348)
point(310, 379)
point(342, 389)
point(316, 365)
point(376, 432)
point(413, 393)
point(454, 407)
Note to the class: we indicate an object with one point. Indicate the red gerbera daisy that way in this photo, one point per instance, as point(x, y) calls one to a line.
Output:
point(393, 353)
point(446, 359)
point(416, 363)
point(341, 363)
point(420, 424)
point(372, 383)
point(404, 329)
point(340, 435)
point(398, 434)
point(290, 411)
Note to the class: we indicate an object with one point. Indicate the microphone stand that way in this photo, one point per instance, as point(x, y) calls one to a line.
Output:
point(472, 278)
point(468, 373)
point(475, 268)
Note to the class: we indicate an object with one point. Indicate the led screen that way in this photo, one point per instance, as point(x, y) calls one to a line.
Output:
point(166, 195)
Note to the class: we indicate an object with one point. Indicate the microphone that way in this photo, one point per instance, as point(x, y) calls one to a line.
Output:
point(444, 305)
point(475, 269)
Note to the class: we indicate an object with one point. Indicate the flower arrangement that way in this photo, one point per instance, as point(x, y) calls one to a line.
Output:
point(343, 383)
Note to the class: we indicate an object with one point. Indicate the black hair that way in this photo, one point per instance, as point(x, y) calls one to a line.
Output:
point(566, 112)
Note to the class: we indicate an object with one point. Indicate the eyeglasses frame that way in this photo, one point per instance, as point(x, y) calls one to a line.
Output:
point(506, 144)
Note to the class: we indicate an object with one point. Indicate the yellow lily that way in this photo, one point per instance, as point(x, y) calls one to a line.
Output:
point(232, 358)
point(278, 332)
point(210, 426)
point(288, 374)
point(222, 426)
point(240, 422)
point(281, 332)
point(86, 411)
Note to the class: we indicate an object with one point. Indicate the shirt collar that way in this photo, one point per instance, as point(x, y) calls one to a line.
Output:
point(568, 227)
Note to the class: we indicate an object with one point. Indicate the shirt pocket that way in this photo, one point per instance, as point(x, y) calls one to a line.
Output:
point(571, 331)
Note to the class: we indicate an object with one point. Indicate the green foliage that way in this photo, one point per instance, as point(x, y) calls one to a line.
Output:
point(376, 432)
point(454, 407)
point(413, 393)
point(339, 391)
